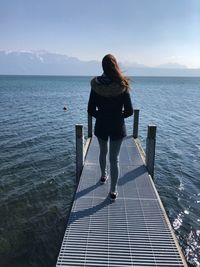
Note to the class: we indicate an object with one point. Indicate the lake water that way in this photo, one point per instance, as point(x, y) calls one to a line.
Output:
point(37, 159)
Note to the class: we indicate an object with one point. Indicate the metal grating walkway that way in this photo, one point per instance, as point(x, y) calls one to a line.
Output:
point(133, 231)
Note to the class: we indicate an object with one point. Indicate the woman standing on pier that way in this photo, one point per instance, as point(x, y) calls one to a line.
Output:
point(110, 103)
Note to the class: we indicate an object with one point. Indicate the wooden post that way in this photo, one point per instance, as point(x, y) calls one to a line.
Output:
point(89, 125)
point(136, 123)
point(150, 149)
point(79, 151)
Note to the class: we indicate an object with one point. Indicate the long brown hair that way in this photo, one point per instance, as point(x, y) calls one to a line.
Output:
point(112, 70)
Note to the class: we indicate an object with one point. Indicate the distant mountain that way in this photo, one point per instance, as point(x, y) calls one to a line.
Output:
point(172, 66)
point(45, 63)
point(171, 72)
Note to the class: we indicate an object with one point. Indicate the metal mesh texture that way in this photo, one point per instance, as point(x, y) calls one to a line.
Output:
point(132, 231)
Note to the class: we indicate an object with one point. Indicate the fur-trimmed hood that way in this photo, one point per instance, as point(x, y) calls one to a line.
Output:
point(107, 90)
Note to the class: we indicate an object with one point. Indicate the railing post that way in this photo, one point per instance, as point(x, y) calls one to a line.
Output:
point(89, 125)
point(150, 149)
point(135, 123)
point(79, 151)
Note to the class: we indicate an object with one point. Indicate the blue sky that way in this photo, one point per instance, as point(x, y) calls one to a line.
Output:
point(149, 32)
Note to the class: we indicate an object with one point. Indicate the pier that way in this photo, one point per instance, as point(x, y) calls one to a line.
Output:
point(134, 230)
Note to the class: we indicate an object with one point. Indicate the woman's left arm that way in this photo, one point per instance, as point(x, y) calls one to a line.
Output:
point(128, 107)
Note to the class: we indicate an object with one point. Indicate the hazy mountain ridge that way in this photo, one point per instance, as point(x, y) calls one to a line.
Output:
point(45, 63)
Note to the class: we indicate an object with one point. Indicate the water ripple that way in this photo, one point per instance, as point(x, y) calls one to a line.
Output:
point(38, 159)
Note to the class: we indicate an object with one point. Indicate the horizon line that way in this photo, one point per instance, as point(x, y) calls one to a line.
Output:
point(76, 75)
point(127, 64)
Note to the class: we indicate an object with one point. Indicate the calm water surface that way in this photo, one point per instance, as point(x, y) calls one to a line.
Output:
point(37, 159)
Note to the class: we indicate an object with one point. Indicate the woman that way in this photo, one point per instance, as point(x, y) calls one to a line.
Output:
point(110, 103)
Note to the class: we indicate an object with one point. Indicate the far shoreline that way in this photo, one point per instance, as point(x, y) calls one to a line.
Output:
point(77, 75)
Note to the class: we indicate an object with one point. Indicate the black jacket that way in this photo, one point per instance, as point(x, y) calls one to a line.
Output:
point(109, 104)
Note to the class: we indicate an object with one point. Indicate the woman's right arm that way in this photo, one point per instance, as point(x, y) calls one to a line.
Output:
point(128, 107)
point(92, 104)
